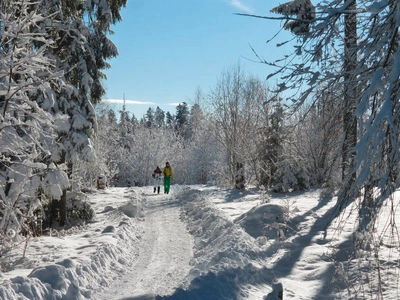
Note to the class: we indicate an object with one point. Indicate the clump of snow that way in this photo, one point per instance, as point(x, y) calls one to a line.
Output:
point(264, 220)
point(55, 182)
point(130, 210)
point(109, 229)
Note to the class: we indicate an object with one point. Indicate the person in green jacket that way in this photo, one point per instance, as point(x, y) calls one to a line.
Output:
point(168, 174)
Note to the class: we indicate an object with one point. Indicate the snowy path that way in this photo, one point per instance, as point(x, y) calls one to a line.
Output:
point(165, 252)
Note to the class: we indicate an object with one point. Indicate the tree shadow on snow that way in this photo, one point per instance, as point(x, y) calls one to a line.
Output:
point(238, 194)
point(284, 267)
point(224, 285)
point(141, 297)
point(164, 203)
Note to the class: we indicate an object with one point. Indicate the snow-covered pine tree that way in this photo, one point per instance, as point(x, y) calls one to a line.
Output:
point(169, 120)
point(182, 119)
point(81, 49)
point(159, 118)
point(149, 118)
point(27, 131)
point(303, 12)
point(271, 143)
point(105, 143)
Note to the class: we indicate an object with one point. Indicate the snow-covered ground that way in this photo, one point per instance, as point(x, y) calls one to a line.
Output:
point(198, 242)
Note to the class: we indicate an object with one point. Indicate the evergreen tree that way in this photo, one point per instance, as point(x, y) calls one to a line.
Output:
point(112, 118)
point(134, 120)
point(149, 118)
point(182, 118)
point(169, 120)
point(27, 132)
point(124, 115)
point(80, 52)
point(196, 119)
point(302, 10)
point(271, 148)
point(159, 118)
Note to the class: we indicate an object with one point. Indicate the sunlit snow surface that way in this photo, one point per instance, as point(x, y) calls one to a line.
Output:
point(200, 242)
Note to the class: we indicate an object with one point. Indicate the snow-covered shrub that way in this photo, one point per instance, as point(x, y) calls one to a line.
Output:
point(269, 220)
point(79, 209)
point(291, 175)
point(264, 197)
point(125, 177)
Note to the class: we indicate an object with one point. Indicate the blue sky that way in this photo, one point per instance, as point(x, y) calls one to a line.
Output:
point(169, 48)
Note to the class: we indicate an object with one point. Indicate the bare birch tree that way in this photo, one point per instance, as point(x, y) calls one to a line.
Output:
point(237, 112)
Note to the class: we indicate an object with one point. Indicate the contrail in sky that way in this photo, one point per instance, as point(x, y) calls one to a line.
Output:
point(121, 101)
point(238, 4)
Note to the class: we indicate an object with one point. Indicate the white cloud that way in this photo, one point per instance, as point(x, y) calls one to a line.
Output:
point(174, 103)
point(120, 101)
point(238, 4)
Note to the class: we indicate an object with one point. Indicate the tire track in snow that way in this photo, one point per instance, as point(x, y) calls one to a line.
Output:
point(165, 252)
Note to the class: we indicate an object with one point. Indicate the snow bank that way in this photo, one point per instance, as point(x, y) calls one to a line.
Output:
point(116, 242)
point(225, 256)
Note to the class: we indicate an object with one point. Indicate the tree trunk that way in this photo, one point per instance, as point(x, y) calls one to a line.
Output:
point(350, 95)
point(63, 199)
point(63, 208)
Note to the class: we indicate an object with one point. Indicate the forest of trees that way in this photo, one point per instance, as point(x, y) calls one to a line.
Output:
point(331, 118)
point(237, 122)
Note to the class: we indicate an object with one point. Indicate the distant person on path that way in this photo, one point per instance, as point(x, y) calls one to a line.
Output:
point(168, 174)
point(157, 178)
